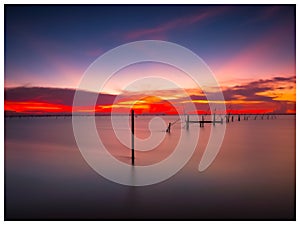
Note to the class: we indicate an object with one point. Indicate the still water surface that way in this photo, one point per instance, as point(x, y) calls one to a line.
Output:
point(252, 177)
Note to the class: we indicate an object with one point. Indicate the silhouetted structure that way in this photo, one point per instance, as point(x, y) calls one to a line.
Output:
point(132, 137)
point(169, 128)
point(214, 121)
point(202, 124)
point(188, 122)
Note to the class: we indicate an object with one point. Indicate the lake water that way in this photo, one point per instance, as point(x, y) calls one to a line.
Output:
point(252, 177)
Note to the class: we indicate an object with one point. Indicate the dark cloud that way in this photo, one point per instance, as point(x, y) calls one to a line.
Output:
point(289, 79)
point(52, 95)
point(251, 90)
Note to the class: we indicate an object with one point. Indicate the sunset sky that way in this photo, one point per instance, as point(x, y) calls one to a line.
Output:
point(250, 49)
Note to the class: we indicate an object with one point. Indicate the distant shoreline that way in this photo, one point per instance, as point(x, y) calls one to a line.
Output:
point(155, 114)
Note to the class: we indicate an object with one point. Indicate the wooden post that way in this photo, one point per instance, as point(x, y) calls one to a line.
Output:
point(214, 122)
point(169, 128)
point(232, 119)
point(202, 121)
point(132, 137)
point(188, 122)
point(239, 118)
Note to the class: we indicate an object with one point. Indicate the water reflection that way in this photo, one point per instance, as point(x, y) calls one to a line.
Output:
point(253, 177)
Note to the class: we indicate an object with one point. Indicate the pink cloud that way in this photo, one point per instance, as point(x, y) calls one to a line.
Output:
point(259, 58)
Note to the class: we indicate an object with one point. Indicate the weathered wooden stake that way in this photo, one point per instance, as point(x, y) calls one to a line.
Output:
point(239, 118)
point(214, 122)
point(169, 128)
point(188, 122)
point(132, 137)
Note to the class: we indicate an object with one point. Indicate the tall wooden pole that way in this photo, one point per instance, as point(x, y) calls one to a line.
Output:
point(187, 122)
point(132, 137)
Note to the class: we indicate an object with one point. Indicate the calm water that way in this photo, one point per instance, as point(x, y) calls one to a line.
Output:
point(252, 177)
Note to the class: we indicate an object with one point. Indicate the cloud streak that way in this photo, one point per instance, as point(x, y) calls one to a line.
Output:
point(161, 29)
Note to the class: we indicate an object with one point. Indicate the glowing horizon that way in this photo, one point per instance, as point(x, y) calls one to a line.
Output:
point(275, 95)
